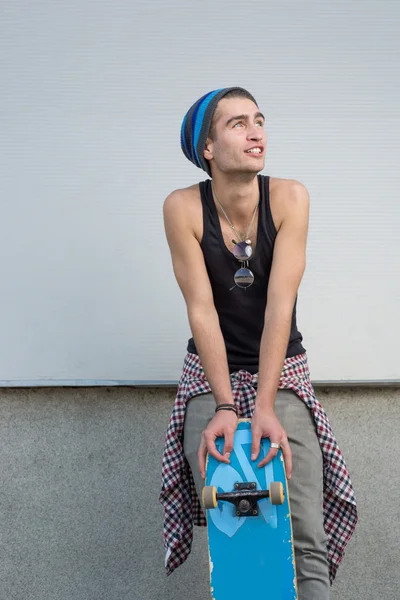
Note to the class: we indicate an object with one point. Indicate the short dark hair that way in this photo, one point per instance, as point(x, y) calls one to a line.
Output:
point(238, 93)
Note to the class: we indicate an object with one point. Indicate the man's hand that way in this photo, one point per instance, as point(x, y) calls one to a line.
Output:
point(224, 425)
point(265, 424)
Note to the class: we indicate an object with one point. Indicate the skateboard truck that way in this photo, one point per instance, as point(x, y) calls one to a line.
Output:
point(245, 497)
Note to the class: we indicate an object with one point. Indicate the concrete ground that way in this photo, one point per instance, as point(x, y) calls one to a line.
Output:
point(80, 477)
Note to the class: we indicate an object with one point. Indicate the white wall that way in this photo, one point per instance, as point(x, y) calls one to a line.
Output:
point(93, 94)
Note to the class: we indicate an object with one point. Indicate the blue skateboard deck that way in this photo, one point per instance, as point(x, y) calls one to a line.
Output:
point(250, 556)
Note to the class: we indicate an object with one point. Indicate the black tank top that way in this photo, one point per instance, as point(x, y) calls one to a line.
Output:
point(241, 312)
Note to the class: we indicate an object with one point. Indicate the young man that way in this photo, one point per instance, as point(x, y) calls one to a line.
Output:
point(238, 247)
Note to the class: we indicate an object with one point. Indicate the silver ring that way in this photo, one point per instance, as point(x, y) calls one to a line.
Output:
point(275, 445)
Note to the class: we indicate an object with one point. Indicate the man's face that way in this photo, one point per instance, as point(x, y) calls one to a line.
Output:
point(239, 140)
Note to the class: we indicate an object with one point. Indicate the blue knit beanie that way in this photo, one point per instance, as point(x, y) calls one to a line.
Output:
point(196, 126)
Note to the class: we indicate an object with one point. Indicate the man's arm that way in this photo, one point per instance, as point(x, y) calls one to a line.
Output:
point(288, 266)
point(192, 277)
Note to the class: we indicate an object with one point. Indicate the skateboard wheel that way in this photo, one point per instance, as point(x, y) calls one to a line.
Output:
point(276, 493)
point(209, 496)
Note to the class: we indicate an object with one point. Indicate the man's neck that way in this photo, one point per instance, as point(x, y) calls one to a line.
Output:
point(238, 194)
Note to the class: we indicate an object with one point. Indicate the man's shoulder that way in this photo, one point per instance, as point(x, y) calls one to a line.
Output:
point(183, 205)
point(287, 188)
point(182, 198)
point(288, 197)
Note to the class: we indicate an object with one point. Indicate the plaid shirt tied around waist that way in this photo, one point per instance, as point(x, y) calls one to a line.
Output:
point(178, 495)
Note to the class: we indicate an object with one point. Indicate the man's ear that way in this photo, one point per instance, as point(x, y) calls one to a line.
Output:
point(208, 149)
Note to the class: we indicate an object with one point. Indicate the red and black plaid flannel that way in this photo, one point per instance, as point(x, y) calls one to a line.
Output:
point(178, 495)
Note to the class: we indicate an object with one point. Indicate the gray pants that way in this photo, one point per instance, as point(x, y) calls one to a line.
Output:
point(305, 485)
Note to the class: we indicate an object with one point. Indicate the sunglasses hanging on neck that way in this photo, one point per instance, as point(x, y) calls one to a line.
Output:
point(243, 277)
